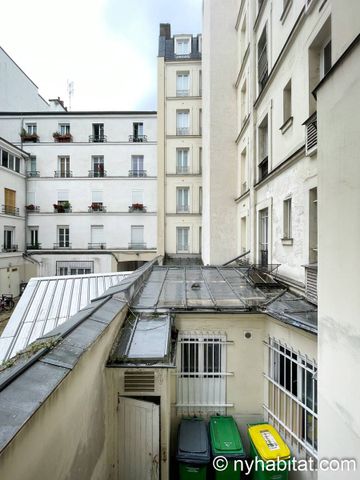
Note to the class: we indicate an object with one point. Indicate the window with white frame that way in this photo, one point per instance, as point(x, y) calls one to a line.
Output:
point(287, 101)
point(182, 84)
point(31, 128)
point(63, 234)
point(137, 166)
point(287, 231)
point(292, 394)
point(313, 226)
point(243, 172)
point(263, 141)
point(182, 46)
point(201, 372)
point(263, 236)
point(74, 268)
point(182, 122)
point(200, 43)
point(262, 60)
point(64, 128)
point(63, 167)
point(325, 57)
point(182, 199)
point(182, 160)
point(137, 237)
point(34, 236)
point(97, 236)
point(182, 239)
point(9, 236)
point(97, 166)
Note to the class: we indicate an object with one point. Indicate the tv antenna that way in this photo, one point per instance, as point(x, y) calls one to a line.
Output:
point(70, 89)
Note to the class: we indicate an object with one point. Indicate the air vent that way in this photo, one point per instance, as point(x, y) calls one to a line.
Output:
point(311, 284)
point(139, 381)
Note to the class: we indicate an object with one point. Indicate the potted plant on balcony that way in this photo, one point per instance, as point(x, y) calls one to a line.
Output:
point(28, 137)
point(96, 207)
point(30, 207)
point(137, 207)
point(63, 207)
point(62, 137)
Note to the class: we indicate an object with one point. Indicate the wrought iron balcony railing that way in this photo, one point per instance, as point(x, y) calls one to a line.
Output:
point(138, 138)
point(137, 173)
point(182, 93)
point(182, 131)
point(98, 138)
point(10, 248)
point(137, 246)
point(62, 174)
point(62, 245)
point(33, 173)
point(97, 246)
point(10, 210)
point(33, 246)
point(32, 208)
point(96, 207)
point(97, 173)
point(182, 208)
point(182, 169)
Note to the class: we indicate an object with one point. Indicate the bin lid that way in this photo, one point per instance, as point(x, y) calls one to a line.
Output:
point(225, 437)
point(193, 442)
point(268, 443)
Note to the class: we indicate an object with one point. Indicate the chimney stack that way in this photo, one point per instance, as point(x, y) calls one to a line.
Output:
point(165, 30)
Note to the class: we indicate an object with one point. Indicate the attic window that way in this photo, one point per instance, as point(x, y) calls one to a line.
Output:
point(182, 46)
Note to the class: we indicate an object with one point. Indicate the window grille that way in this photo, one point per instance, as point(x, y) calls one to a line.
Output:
point(292, 396)
point(201, 373)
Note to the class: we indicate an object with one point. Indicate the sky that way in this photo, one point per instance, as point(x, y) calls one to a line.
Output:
point(107, 48)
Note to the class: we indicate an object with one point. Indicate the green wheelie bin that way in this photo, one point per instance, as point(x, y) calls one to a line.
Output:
point(193, 452)
point(226, 442)
point(269, 451)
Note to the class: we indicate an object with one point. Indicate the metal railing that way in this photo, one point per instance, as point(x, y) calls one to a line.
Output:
point(33, 173)
point(10, 248)
point(33, 246)
point(96, 208)
point(10, 210)
point(137, 208)
point(62, 174)
point(97, 246)
point(182, 93)
point(311, 134)
point(98, 138)
point(182, 130)
point(182, 208)
point(61, 209)
point(181, 169)
point(97, 173)
point(32, 208)
point(62, 245)
point(137, 173)
point(138, 138)
point(137, 246)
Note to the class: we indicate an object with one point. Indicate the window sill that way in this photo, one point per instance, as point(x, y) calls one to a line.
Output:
point(285, 11)
point(285, 126)
point(287, 241)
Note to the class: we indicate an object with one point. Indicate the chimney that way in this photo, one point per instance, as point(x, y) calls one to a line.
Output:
point(165, 30)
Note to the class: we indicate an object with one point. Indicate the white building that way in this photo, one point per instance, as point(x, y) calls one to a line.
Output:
point(179, 144)
point(91, 188)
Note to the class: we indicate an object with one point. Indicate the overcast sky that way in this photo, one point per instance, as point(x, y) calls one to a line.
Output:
point(108, 48)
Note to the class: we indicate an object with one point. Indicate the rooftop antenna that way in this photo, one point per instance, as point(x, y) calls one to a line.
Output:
point(70, 89)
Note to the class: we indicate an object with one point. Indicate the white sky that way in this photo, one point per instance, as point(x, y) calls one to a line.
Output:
point(108, 48)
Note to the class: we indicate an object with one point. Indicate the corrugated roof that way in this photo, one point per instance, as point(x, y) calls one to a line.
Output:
point(48, 302)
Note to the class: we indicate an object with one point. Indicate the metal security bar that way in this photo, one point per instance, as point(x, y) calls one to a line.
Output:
point(292, 395)
point(201, 373)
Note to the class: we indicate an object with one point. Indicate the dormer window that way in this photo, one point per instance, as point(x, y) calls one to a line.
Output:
point(200, 43)
point(182, 46)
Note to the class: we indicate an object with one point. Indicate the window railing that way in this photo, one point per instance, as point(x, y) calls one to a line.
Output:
point(137, 246)
point(182, 93)
point(182, 208)
point(33, 173)
point(137, 173)
point(33, 246)
point(311, 134)
point(137, 207)
point(62, 245)
point(138, 138)
point(62, 174)
point(97, 173)
point(97, 246)
point(181, 169)
point(10, 248)
point(97, 207)
point(32, 208)
point(10, 210)
point(30, 137)
point(98, 138)
point(182, 131)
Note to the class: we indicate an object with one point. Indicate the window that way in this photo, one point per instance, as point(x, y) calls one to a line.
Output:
point(292, 393)
point(64, 128)
point(244, 107)
point(243, 39)
point(200, 160)
point(200, 83)
point(11, 162)
point(63, 199)
point(34, 237)
point(97, 133)
point(182, 239)
point(182, 84)
point(137, 198)
point(4, 158)
point(32, 172)
point(263, 236)
point(97, 201)
point(262, 61)
point(9, 234)
point(200, 43)
point(182, 122)
point(182, 46)
point(325, 59)
point(137, 237)
point(201, 367)
point(200, 121)
point(63, 234)
point(263, 148)
point(243, 172)
point(287, 107)
point(97, 166)
point(137, 166)
point(74, 268)
point(97, 237)
point(313, 226)
point(17, 164)
point(182, 199)
point(243, 233)
point(182, 160)
point(10, 202)
point(31, 128)
point(200, 200)
point(138, 132)
point(287, 231)
point(63, 167)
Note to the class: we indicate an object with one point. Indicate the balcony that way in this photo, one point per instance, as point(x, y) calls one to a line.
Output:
point(10, 210)
point(96, 207)
point(311, 134)
point(29, 137)
point(96, 246)
point(62, 138)
point(32, 173)
point(98, 138)
point(137, 246)
point(62, 208)
point(182, 131)
point(182, 169)
point(62, 174)
point(182, 209)
point(138, 138)
point(137, 173)
point(10, 248)
point(182, 93)
point(97, 173)
point(62, 245)
point(32, 208)
point(33, 246)
point(137, 207)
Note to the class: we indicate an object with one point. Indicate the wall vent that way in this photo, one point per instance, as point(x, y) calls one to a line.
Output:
point(139, 381)
point(311, 284)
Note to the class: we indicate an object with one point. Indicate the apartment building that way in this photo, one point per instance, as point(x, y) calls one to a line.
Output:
point(179, 144)
point(91, 188)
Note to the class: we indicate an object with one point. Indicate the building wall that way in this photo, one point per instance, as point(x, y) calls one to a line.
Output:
point(17, 91)
point(339, 234)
